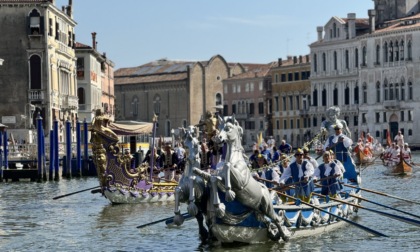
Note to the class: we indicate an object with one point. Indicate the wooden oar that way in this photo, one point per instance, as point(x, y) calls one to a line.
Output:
point(285, 187)
point(65, 195)
point(393, 216)
point(382, 205)
point(336, 216)
point(161, 220)
point(381, 193)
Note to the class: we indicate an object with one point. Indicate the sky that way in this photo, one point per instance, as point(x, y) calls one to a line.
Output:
point(135, 32)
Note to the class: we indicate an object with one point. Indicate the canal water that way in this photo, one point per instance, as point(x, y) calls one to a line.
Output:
point(31, 221)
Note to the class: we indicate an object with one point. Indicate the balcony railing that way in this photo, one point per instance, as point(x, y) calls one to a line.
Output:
point(36, 95)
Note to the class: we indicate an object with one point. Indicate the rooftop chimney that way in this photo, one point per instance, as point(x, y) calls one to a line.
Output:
point(280, 61)
point(300, 59)
point(352, 25)
point(94, 40)
point(294, 59)
point(372, 14)
point(70, 9)
point(320, 29)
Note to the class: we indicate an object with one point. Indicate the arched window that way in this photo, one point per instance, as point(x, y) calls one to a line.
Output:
point(356, 94)
point(391, 52)
point(378, 52)
point(402, 50)
point(315, 63)
point(35, 70)
point(364, 93)
point(324, 62)
point(397, 91)
point(378, 92)
point(315, 97)
point(156, 104)
point(218, 99)
point(409, 50)
point(335, 60)
point(36, 23)
point(335, 96)
point(386, 90)
point(364, 56)
point(391, 91)
point(324, 97)
point(402, 89)
point(347, 95)
point(335, 30)
point(397, 51)
point(386, 52)
point(410, 90)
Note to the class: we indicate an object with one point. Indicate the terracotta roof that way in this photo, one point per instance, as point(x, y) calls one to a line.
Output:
point(150, 78)
point(80, 45)
point(24, 1)
point(254, 71)
point(400, 24)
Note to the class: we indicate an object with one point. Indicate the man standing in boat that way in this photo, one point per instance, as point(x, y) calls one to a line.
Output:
point(170, 160)
point(330, 169)
point(301, 172)
point(399, 139)
point(340, 145)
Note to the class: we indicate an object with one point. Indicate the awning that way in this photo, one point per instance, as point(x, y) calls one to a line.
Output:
point(125, 128)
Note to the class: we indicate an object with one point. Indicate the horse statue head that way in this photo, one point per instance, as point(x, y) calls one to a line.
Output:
point(229, 130)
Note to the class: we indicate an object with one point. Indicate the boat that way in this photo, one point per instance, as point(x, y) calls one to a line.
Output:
point(402, 168)
point(242, 210)
point(119, 181)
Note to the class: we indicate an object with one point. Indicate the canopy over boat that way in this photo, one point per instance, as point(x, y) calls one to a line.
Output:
point(124, 128)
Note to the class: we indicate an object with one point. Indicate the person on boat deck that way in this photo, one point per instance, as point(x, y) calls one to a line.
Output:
point(157, 162)
point(283, 165)
point(265, 172)
point(128, 155)
point(330, 186)
point(337, 162)
point(266, 152)
point(309, 158)
point(340, 145)
point(395, 155)
point(169, 159)
point(407, 153)
point(399, 138)
point(205, 158)
point(276, 155)
point(253, 157)
point(285, 147)
point(301, 172)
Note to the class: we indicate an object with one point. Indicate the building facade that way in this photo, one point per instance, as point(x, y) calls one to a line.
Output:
point(291, 99)
point(248, 96)
point(40, 72)
point(179, 92)
point(95, 81)
point(367, 67)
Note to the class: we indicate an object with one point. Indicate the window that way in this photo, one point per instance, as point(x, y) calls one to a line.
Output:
point(290, 77)
point(402, 116)
point(225, 89)
point(233, 108)
point(410, 115)
point(251, 108)
point(276, 78)
point(402, 89)
point(324, 62)
point(397, 91)
point(290, 102)
point(225, 110)
point(364, 56)
point(135, 106)
point(335, 60)
point(402, 50)
point(324, 97)
point(378, 52)
point(386, 52)
point(391, 52)
point(284, 124)
point(35, 72)
point(335, 96)
point(346, 95)
point(297, 77)
point(291, 124)
point(261, 108)
point(385, 89)
point(277, 124)
point(363, 117)
point(315, 95)
point(276, 99)
point(356, 94)
point(334, 30)
point(260, 85)
point(284, 103)
point(315, 63)
point(80, 68)
point(377, 117)
point(81, 96)
point(397, 51)
point(384, 116)
point(347, 59)
point(35, 23)
point(283, 77)
point(378, 92)
point(251, 87)
point(218, 99)
point(314, 122)
point(410, 91)
point(391, 91)
point(297, 102)
point(364, 93)
point(356, 120)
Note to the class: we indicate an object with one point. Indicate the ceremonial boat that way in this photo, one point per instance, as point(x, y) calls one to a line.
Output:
point(120, 182)
point(401, 169)
point(241, 209)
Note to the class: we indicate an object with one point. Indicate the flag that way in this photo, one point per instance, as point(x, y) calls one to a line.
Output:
point(260, 139)
point(388, 137)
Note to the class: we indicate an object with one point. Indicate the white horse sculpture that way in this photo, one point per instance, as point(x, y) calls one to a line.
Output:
point(191, 187)
point(236, 181)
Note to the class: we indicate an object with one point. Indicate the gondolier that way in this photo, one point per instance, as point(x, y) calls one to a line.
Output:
point(170, 159)
point(340, 145)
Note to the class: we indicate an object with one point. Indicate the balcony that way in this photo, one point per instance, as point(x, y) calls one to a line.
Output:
point(70, 102)
point(392, 104)
point(36, 95)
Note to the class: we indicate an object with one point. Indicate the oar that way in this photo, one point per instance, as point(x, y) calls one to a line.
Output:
point(396, 217)
point(337, 216)
point(161, 220)
point(65, 195)
point(285, 187)
point(382, 205)
point(381, 193)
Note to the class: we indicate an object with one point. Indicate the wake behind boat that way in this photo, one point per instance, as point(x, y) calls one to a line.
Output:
point(120, 182)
